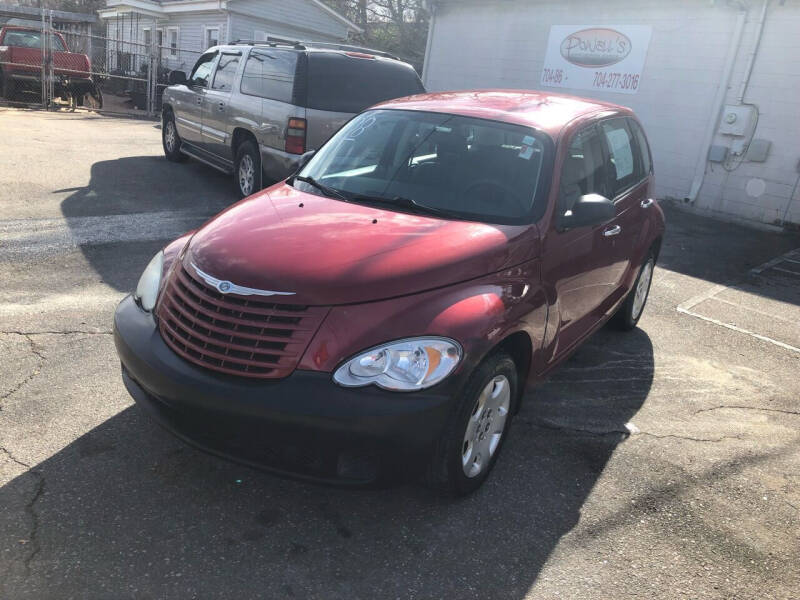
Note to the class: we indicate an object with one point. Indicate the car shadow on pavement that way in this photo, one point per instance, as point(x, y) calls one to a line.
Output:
point(720, 252)
point(131, 203)
point(129, 511)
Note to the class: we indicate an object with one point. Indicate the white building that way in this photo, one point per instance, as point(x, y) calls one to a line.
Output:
point(186, 28)
point(715, 82)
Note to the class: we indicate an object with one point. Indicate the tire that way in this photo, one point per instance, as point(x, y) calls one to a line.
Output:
point(247, 169)
point(460, 464)
point(171, 140)
point(629, 313)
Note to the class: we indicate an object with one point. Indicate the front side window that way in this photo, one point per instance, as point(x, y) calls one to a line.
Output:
point(270, 74)
point(458, 167)
point(620, 149)
point(226, 72)
point(584, 170)
point(202, 70)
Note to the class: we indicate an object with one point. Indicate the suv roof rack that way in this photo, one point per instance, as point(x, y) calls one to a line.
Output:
point(300, 45)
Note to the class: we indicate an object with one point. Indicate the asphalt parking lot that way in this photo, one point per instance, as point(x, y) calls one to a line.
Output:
point(658, 463)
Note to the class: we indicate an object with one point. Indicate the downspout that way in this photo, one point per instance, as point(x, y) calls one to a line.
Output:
point(751, 61)
point(719, 101)
point(429, 43)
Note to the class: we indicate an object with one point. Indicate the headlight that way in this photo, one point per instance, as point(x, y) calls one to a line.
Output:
point(406, 365)
point(149, 282)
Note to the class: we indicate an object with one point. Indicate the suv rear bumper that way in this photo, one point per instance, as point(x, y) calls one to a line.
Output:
point(302, 425)
point(277, 165)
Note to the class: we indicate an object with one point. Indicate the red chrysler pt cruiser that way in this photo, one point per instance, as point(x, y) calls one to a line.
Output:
point(381, 311)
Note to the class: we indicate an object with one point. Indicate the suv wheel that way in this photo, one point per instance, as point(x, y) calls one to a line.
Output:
point(171, 140)
point(469, 447)
point(247, 169)
point(628, 315)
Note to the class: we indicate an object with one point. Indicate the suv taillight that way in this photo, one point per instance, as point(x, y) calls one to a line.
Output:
point(296, 136)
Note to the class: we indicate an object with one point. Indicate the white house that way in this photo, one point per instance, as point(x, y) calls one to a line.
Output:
point(715, 82)
point(185, 28)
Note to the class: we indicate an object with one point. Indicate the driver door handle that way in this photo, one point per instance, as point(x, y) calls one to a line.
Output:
point(612, 231)
point(199, 99)
point(647, 203)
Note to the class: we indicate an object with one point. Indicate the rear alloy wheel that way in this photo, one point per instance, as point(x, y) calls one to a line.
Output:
point(629, 313)
point(171, 140)
point(247, 171)
point(470, 445)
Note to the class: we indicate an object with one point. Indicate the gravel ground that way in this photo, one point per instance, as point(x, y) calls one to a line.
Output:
point(661, 463)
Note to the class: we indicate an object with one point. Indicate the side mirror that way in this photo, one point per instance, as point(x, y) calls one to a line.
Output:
point(590, 209)
point(304, 158)
point(176, 78)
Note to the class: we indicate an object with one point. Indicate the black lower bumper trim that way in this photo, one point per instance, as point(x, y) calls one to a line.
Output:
point(303, 425)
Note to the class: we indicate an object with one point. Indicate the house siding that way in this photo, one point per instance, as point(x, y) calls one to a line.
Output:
point(675, 99)
point(243, 27)
point(299, 18)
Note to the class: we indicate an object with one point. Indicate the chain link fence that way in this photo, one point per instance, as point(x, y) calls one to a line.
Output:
point(58, 67)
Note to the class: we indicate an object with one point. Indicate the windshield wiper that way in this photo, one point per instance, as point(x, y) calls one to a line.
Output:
point(327, 190)
point(407, 203)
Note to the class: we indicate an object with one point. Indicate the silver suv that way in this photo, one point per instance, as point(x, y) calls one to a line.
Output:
point(254, 108)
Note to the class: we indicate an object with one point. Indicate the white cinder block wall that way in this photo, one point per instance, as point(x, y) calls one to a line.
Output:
point(502, 43)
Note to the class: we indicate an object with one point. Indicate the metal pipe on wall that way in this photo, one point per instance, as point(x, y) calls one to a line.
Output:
point(719, 102)
point(756, 45)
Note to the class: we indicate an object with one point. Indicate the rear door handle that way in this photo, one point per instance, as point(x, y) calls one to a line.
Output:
point(647, 203)
point(222, 106)
point(612, 231)
point(199, 99)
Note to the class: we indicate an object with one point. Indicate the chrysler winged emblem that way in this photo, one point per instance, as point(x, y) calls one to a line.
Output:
point(228, 287)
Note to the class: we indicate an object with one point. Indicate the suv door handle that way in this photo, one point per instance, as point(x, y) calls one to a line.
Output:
point(612, 231)
point(222, 106)
point(647, 203)
point(199, 99)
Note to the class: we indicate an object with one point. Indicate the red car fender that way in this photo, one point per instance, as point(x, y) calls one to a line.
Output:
point(478, 314)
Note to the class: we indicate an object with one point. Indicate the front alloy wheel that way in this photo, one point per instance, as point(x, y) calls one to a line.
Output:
point(470, 445)
point(486, 426)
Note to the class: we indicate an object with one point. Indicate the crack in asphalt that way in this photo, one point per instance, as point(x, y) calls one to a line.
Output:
point(757, 408)
point(34, 350)
point(65, 332)
point(33, 537)
point(624, 432)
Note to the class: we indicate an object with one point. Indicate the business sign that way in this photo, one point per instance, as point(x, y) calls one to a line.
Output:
point(596, 58)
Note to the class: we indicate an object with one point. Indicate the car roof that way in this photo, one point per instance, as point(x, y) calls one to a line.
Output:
point(546, 111)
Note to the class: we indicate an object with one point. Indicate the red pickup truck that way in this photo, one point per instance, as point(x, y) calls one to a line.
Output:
point(21, 67)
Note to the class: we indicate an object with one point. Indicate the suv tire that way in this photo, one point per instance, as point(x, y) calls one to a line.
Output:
point(247, 169)
point(629, 313)
point(468, 449)
point(171, 140)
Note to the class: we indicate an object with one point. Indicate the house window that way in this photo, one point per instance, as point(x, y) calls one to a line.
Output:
point(172, 41)
point(147, 38)
point(212, 37)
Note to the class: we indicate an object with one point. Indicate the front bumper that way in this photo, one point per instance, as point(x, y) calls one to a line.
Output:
point(302, 425)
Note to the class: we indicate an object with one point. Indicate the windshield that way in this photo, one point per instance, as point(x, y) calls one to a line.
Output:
point(30, 39)
point(460, 167)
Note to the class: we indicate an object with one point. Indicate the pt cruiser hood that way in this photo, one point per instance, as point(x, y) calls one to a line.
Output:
point(330, 252)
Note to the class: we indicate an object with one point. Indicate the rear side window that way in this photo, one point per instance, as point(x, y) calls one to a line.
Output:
point(342, 83)
point(30, 39)
point(644, 150)
point(226, 71)
point(622, 170)
point(584, 171)
point(270, 74)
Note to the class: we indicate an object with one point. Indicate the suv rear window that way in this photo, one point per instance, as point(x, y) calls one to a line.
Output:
point(341, 83)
